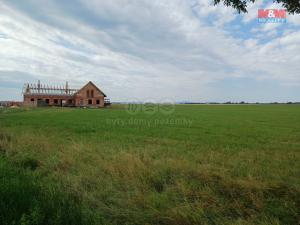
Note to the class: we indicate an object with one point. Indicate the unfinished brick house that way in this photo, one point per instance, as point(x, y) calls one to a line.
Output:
point(43, 95)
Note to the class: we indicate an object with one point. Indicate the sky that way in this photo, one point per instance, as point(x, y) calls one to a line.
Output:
point(142, 50)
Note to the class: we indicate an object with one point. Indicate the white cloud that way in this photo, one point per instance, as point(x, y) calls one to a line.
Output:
point(173, 49)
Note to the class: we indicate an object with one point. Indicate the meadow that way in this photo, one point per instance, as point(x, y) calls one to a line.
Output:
point(199, 164)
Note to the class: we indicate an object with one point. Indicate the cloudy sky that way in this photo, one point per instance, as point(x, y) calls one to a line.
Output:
point(178, 50)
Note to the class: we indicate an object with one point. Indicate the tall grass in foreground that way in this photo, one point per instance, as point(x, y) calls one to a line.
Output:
point(26, 199)
point(233, 165)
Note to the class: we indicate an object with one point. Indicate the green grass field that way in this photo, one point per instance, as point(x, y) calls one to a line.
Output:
point(202, 164)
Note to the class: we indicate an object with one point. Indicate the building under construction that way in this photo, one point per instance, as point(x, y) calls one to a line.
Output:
point(45, 95)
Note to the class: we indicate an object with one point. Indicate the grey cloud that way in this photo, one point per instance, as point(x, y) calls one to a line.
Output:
point(135, 47)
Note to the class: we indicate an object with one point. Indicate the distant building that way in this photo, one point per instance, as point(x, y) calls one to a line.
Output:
point(44, 95)
point(10, 104)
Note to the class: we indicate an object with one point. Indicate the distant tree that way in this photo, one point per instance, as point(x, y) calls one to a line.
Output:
point(292, 6)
